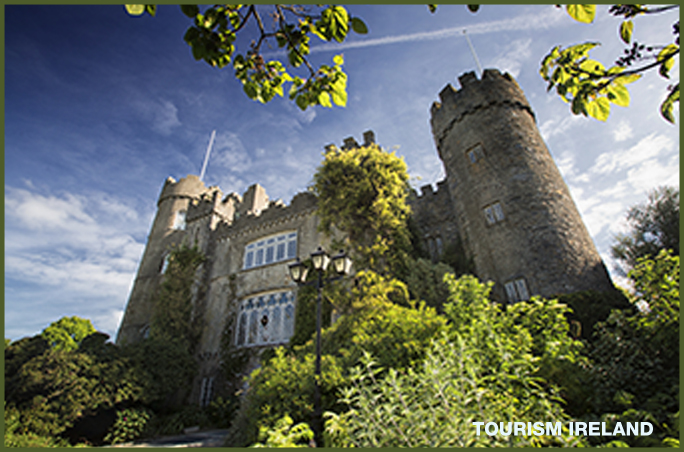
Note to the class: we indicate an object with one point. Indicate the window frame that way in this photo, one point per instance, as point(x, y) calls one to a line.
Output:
point(494, 213)
point(278, 307)
point(516, 290)
point(267, 250)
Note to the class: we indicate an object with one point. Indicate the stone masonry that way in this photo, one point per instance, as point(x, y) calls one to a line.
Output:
point(503, 197)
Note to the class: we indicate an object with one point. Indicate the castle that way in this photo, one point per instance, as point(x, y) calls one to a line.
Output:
point(503, 198)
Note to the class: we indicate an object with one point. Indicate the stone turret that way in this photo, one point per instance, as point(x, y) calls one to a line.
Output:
point(515, 213)
point(168, 229)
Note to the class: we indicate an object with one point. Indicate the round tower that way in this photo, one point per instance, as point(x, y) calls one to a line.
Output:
point(515, 213)
point(168, 229)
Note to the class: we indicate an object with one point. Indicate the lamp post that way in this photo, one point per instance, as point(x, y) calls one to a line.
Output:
point(298, 272)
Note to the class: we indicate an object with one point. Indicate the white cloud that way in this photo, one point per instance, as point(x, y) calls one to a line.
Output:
point(623, 131)
point(512, 58)
point(230, 154)
point(162, 115)
point(552, 127)
point(652, 146)
point(68, 250)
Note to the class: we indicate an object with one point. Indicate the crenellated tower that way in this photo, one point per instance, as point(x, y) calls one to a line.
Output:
point(514, 211)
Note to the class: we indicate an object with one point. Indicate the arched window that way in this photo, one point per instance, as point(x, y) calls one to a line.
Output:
point(241, 329)
point(276, 326)
point(253, 327)
point(165, 263)
point(270, 250)
point(266, 319)
point(179, 221)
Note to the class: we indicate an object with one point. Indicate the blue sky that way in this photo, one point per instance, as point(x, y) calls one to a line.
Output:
point(100, 108)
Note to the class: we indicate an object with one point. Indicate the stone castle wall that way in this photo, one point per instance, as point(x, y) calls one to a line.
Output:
point(503, 198)
point(515, 212)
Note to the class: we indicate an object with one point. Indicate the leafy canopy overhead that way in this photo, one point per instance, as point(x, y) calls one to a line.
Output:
point(589, 86)
point(213, 38)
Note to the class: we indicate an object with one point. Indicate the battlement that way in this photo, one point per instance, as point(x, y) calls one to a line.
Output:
point(430, 199)
point(276, 211)
point(351, 143)
point(211, 202)
point(188, 187)
point(494, 89)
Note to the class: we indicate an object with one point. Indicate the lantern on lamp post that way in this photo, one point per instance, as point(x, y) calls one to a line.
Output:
point(298, 272)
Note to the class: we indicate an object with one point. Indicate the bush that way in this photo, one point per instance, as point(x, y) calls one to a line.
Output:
point(634, 364)
point(129, 425)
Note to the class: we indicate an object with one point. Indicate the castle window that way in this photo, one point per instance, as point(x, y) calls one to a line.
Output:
point(270, 250)
point(263, 316)
point(516, 290)
point(475, 154)
point(242, 326)
point(494, 213)
point(205, 391)
point(164, 264)
point(145, 331)
point(179, 221)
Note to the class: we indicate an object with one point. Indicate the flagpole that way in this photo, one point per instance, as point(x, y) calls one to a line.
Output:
point(206, 156)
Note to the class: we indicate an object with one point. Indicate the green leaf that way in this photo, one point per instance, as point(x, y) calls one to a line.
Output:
point(338, 60)
point(625, 79)
point(339, 95)
point(135, 10)
point(626, 29)
point(339, 23)
point(667, 107)
point(579, 105)
point(432, 8)
point(324, 99)
point(666, 56)
point(618, 95)
point(599, 108)
point(359, 26)
point(250, 89)
point(190, 10)
point(593, 67)
point(302, 102)
point(582, 13)
point(151, 10)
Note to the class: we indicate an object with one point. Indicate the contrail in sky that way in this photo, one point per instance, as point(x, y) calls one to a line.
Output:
point(528, 22)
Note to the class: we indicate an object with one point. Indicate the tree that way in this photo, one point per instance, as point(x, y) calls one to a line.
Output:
point(397, 336)
point(52, 388)
point(634, 359)
point(362, 193)
point(589, 86)
point(67, 332)
point(654, 227)
point(213, 38)
point(485, 366)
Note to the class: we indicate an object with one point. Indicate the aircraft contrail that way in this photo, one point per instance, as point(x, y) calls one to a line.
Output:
point(528, 22)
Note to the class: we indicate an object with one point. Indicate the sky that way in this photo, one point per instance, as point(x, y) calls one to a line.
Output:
point(101, 107)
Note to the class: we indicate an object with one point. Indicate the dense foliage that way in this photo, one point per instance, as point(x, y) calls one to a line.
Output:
point(362, 193)
point(654, 226)
point(634, 358)
point(397, 335)
point(485, 365)
point(589, 86)
point(70, 383)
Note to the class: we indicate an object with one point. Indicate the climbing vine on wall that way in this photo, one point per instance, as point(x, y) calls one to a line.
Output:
point(174, 319)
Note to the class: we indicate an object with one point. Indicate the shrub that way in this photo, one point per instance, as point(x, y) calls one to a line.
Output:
point(129, 425)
